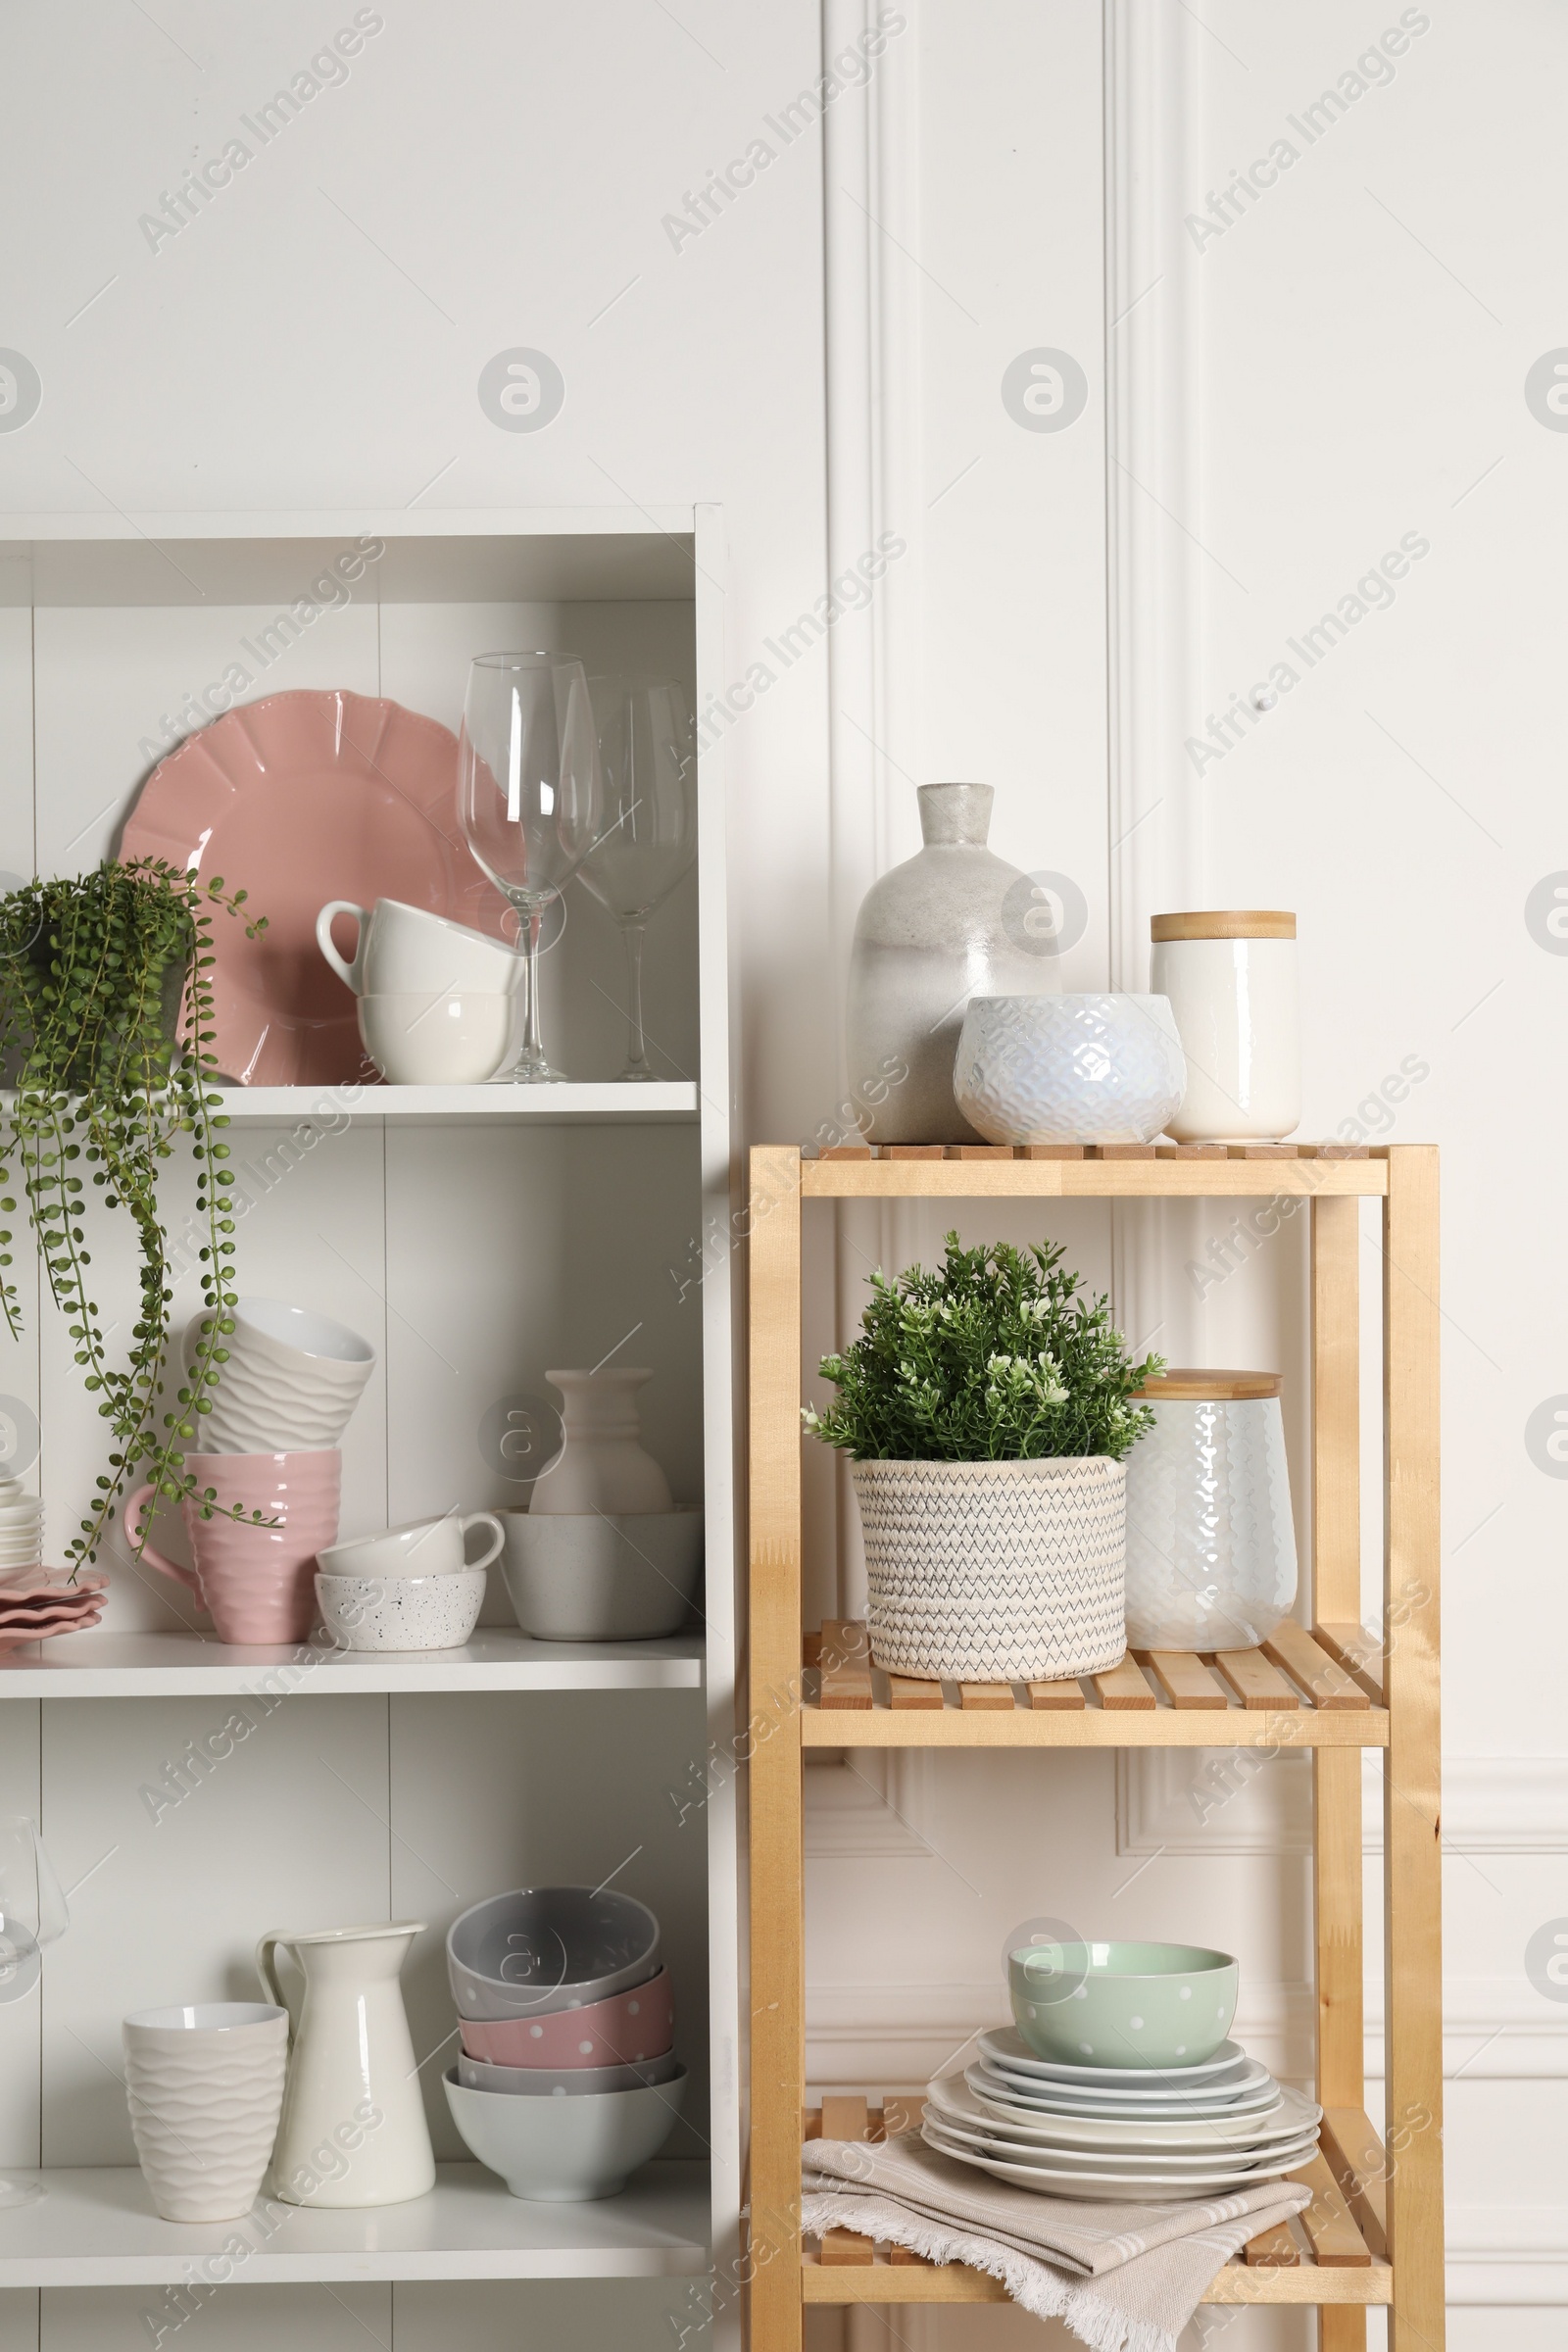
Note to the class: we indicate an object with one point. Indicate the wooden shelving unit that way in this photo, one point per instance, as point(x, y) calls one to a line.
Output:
point(1373, 2234)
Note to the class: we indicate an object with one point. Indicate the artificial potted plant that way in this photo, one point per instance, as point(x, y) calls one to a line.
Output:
point(106, 1028)
point(988, 1412)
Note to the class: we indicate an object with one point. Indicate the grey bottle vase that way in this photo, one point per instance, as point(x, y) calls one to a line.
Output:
point(929, 935)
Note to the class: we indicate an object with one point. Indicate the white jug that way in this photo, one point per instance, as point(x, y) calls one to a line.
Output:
point(353, 2131)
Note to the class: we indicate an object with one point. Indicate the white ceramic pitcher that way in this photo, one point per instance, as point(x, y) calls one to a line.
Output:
point(353, 2131)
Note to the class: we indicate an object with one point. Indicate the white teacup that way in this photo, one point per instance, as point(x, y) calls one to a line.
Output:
point(404, 950)
point(418, 1040)
point(422, 1548)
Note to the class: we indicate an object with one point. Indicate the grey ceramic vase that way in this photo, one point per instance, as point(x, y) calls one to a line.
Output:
point(930, 934)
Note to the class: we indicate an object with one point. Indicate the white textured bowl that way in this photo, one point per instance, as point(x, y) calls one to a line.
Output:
point(205, 2085)
point(403, 1612)
point(1082, 1069)
point(291, 1383)
point(568, 2081)
point(565, 2151)
point(602, 1576)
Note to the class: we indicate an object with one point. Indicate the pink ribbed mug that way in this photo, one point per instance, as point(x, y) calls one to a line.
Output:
point(257, 1582)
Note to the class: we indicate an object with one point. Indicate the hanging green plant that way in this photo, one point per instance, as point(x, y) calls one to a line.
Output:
point(106, 1025)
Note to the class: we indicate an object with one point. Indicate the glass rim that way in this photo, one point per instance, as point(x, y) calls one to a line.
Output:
point(541, 656)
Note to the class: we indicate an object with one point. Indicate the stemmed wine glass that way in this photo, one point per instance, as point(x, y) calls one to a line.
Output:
point(527, 791)
point(33, 1913)
point(647, 834)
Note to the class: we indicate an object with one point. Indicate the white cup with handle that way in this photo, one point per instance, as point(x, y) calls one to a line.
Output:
point(406, 951)
point(420, 1548)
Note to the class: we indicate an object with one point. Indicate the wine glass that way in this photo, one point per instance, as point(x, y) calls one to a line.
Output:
point(647, 834)
point(33, 1913)
point(527, 790)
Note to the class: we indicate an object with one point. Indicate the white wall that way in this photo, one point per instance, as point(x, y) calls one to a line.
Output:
point(1360, 344)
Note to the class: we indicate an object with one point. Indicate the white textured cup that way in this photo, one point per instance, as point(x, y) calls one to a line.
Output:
point(402, 949)
point(205, 2089)
point(422, 1548)
point(291, 1381)
point(420, 1040)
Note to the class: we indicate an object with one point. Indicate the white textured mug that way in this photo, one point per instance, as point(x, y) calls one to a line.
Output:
point(420, 1548)
point(289, 1381)
point(404, 950)
point(205, 2082)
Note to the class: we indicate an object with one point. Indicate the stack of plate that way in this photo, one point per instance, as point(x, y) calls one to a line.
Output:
point(35, 1603)
point(1136, 2133)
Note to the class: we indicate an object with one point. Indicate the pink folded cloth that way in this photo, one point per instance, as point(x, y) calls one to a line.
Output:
point(1123, 2278)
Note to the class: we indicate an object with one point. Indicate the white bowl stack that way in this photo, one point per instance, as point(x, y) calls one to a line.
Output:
point(20, 1528)
point(1127, 2133)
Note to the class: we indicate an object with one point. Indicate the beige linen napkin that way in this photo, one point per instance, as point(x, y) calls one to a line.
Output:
point(1124, 2278)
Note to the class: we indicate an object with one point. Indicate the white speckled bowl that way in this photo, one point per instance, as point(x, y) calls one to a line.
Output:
point(401, 1612)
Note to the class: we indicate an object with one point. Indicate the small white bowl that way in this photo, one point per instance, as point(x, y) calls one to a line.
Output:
point(401, 1612)
point(1082, 1069)
point(564, 2151)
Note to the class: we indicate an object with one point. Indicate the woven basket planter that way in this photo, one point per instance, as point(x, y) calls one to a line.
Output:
point(995, 1571)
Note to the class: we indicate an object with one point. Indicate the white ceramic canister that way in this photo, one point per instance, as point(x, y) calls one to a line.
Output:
point(1231, 981)
point(1210, 1541)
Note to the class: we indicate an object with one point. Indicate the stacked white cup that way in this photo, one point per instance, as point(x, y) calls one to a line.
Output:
point(20, 1527)
point(437, 1000)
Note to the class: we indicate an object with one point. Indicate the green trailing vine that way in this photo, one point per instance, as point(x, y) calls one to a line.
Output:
point(106, 1031)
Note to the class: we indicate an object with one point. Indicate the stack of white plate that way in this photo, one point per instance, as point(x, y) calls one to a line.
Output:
point(1143, 2133)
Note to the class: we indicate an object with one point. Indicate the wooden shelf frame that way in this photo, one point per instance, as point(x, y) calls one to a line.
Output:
point(1344, 1687)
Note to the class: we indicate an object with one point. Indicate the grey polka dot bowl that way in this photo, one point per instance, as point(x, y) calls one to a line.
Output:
point(401, 1612)
point(1122, 2004)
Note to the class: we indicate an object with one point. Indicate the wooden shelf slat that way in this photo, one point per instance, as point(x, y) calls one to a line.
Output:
point(1066, 1697)
point(992, 1696)
point(1124, 1687)
point(1255, 1683)
point(1321, 1676)
point(1185, 1679)
point(908, 1691)
point(1355, 2157)
point(1273, 2249)
point(1358, 1650)
point(846, 2247)
point(846, 1658)
point(1336, 2242)
point(845, 2116)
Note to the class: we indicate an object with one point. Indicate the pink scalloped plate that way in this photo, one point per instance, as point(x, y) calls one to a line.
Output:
point(299, 799)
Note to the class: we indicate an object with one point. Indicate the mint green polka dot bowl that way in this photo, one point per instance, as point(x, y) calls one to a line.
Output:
point(1122, 2004)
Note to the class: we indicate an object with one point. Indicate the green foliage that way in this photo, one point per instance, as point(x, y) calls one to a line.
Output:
point(111, 1068)
point(996, 1357)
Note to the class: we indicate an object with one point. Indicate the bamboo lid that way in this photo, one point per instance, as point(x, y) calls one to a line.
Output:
point(1200, 1387)
point(1236, 924)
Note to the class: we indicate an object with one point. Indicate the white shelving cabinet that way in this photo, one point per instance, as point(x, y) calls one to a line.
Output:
point(478, 1235)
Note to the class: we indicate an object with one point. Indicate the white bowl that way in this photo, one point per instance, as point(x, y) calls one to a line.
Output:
point(437, 1040)
point(602, 1576)
point(562, 2082)
point(565, 2151)
point(291, 1380)
point(1082, 1069)
point(401, 1612)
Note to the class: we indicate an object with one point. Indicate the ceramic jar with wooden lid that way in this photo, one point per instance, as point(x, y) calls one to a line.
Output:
point(1210, 1542)
point(1231, 980)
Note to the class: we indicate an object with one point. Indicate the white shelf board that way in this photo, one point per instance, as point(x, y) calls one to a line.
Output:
point(588, 1103)
point(190, 1665)
point(95, 2227)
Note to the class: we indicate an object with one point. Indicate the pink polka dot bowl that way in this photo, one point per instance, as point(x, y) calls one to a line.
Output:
point(627, 2029)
